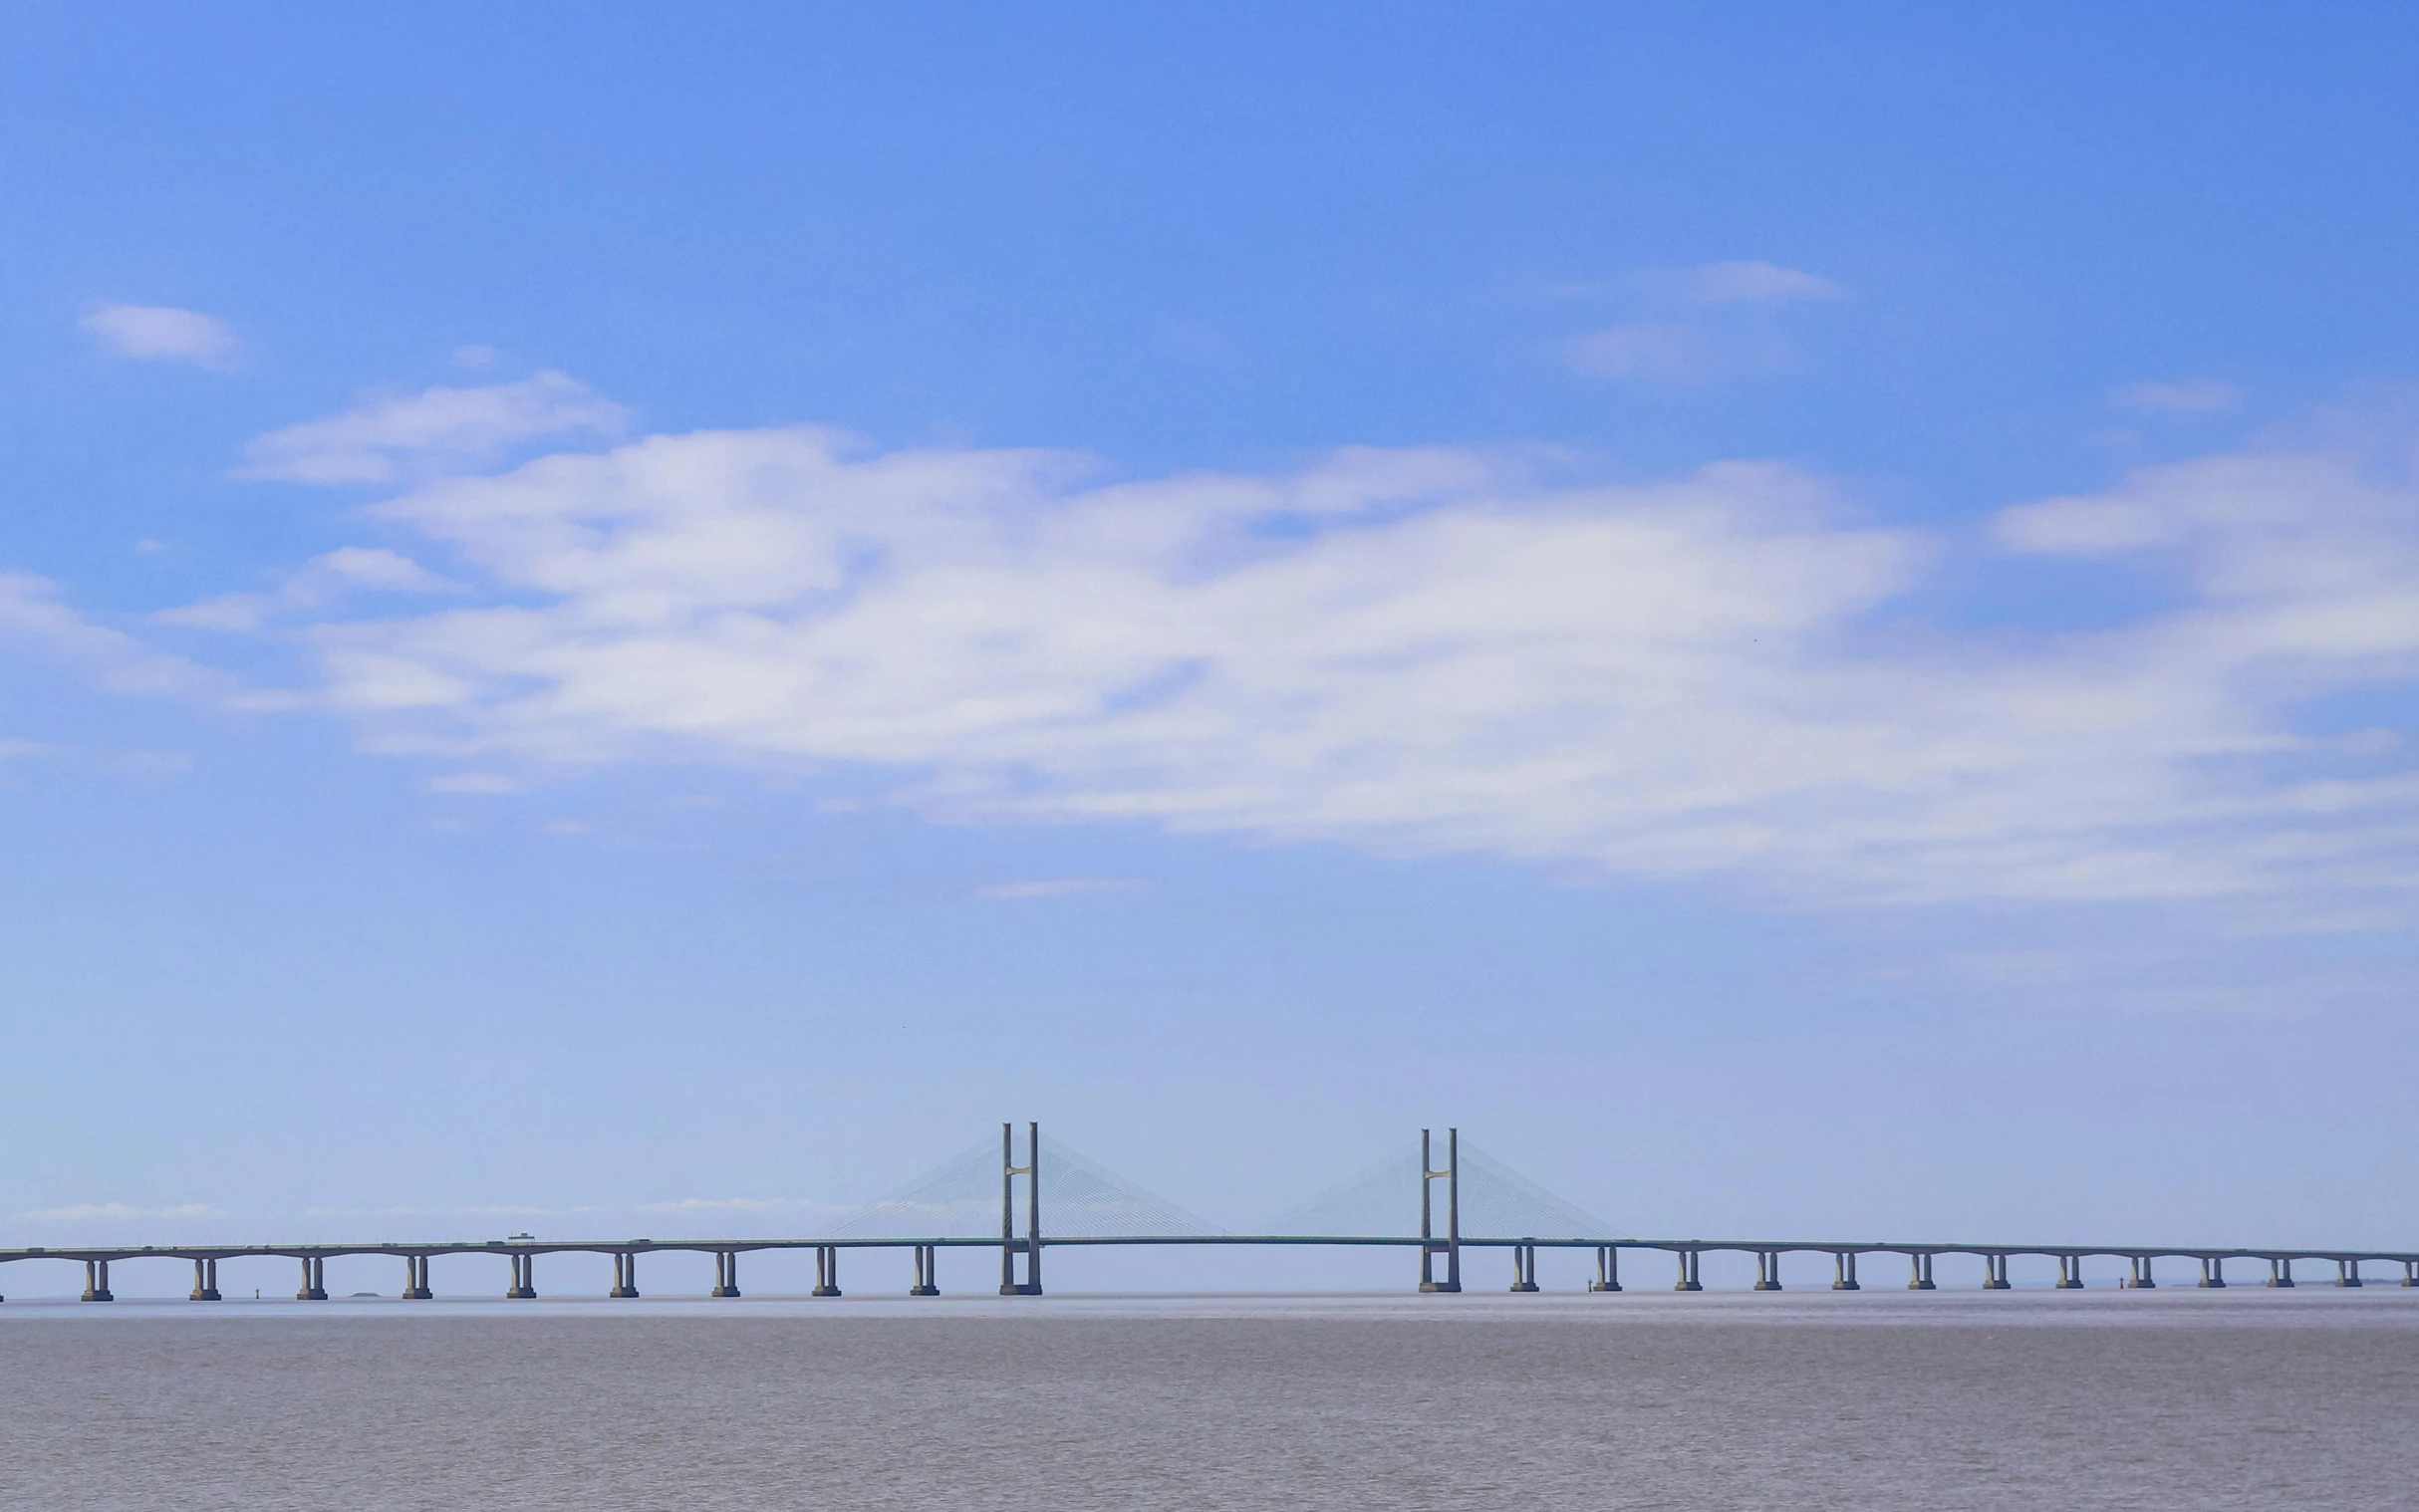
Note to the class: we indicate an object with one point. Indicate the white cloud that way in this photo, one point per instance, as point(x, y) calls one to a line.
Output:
point(736, 1205)
point(486, 784)
point(1424, 653)
point(322, 580)
point(495, 1210)
point(161, 332)
point(1749, 283)
point(1669, 352)
point(2200, 395)
point(30, 611)
point(1656, 349)
point(435, 431)
point(1730, 332)
point(1055, 886)
point(112, 1211)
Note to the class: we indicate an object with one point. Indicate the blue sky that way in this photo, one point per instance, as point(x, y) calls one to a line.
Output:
point(1803, 621)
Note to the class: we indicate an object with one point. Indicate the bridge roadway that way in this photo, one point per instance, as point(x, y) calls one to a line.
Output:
point(520, 1255)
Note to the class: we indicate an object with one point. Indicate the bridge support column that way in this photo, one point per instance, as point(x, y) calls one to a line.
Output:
point(1687, 1273)
point(2279, 1271)
point(2069, 1273)
point(1524, 1268)
point(1921, 1281)
point(205, 1282)
point(416, 1278)
point(1768, 1270)
point(827, 1270)
point(2347, 1273)
point(1451, 1249)
point(2213, 1271)
point(1009, 1246)
point(1843, 1271)
point(1608, 1269)
point(1995, 1273)
point(2141, 1278)
point(625, 1274)
point(927, 1284)
point(314, 1280)
point(523, 1278)
point(96, 1281)
point(2410, 1273)
point(726, 1273)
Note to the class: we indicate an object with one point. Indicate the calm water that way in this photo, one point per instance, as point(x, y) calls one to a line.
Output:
point(2176, 1399)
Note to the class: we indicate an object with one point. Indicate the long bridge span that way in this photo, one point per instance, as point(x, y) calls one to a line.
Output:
point(1440, 1240)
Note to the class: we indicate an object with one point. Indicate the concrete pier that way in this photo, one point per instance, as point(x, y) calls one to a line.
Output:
point(1768, 1270)
point(726, 1273)
point(524, 1282)
point(1921, 1265)
point(416, 1278)
point(2280, 1272)
point(1995, 1273)
point(625, 1274)
point(2213, 1271)
point(1687, 1280)
point(2069, 1273)
point(314, 1280)
point(926, 1283)
point(96, 1281)
point(2410, 1273)
point(205, 1282)
point(2141, 1278)
point(827, 1271)
point(1525, 1267)
point(1843, 1271)
point(2347, 1273)
point(1608, 1269)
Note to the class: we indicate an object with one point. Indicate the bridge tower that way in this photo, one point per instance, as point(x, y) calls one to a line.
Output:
point(1450, 1248)
point(1009, 1244)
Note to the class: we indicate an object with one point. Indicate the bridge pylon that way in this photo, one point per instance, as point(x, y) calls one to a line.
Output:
point(1009, 1245)
point(1451, 1246)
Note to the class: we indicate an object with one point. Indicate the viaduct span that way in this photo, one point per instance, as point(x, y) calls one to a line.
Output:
point(1512, 1214)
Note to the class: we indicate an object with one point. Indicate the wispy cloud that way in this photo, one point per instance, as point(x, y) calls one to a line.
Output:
point(31, 614)
point(738, 1206)
point(112, 1211)
point(1672, 351)
point(320, 582)
point(2200, 395)
point(164, 334)
point(1702, 324)
point(1056, 887)
point(1747, 283)
point(1435, 654)
point(433, 432)
point(495, 1210)
point(482, 784)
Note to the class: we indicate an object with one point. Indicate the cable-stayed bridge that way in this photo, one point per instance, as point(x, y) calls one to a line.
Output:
point(1025, 1197)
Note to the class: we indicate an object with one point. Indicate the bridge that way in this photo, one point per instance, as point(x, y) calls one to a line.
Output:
point(1463, 1199)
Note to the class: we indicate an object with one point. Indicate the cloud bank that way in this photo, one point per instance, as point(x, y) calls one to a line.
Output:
point(1722, 675)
